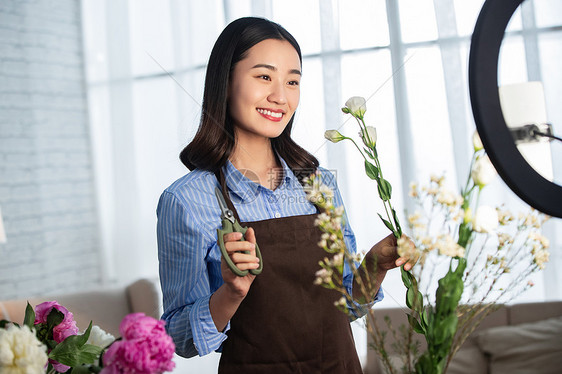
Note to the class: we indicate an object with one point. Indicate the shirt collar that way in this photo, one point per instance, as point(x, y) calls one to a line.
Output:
point(245, 188)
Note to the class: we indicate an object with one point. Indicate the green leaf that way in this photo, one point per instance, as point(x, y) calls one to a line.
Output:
point(413, 299)
point(424, 319)
point(388, 224)
point(382, 193)
point(406, 277)
point(85, 369)
point(396, 222)
point(74, 351)
point(371, 170)
point(54, 318)
point(415, 324)
point(29, 318)
point(369, 153)
point(387, 187)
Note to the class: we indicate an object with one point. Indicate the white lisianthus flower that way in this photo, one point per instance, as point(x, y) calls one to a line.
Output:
point(485, 220)
point(369, 136)
point(99, 337)
point(477, 142)
point(483, 171)
point(334, 136)
point(21, 352)
point(356, 105)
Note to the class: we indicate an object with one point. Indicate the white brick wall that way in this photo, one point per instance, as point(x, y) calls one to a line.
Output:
point(46, 176)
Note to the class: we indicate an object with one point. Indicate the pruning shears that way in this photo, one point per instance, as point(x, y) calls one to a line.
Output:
point(230, 224)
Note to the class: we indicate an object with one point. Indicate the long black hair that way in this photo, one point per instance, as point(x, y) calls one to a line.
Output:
point(214, 140)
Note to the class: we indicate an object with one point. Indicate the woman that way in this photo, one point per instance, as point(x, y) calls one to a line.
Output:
point(277, 321)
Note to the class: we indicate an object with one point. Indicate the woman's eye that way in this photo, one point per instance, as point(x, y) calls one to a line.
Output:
point(265, 77)
point(294, 83)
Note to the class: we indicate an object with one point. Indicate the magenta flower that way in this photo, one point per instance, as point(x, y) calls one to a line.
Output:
point(63, 330)
point(145, 348)
point(60, 332)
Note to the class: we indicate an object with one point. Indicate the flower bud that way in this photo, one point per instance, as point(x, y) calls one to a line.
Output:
point(476, 142)
point(357, 106)
point(483, 171)
point(369, 136)
point(334, 136)
point(485, 220)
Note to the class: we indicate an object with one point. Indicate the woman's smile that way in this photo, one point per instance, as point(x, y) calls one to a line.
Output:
point(271, 114)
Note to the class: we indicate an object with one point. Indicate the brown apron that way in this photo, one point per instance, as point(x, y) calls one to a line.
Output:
point(286, 324)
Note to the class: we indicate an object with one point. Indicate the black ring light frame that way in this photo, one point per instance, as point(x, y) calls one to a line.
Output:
point(488, 34)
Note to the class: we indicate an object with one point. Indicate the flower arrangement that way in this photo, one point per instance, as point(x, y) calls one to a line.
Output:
point(49, 342)
point(483, 259)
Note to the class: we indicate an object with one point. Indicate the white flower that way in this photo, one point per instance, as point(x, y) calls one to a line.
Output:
point(323, 276)
point(342, 302)
point(446, 197)
point(483, 171)
point(447, 246)
point(337, 260)
point(476, 142)
point(326, 191)
point(413, 190)
point(541, 257)
point(21, 352)
point(356, 105)
point(99, 337)
point(485, 219)
point(438, 179)
point(369, 136)
point(334, 136)
point(339, 211)
point(504, 238)
point(407, 249)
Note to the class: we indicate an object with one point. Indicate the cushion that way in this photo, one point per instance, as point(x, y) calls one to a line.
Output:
point(526, 348)
point(468, 360)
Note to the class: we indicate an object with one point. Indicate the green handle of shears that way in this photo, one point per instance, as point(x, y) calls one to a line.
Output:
point(227, 228)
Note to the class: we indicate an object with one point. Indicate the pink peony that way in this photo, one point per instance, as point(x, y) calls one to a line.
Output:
point(145, 348)
point(60, 332)
point(63, 330)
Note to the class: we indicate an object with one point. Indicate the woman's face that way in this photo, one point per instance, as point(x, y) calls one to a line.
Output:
point(264, 89)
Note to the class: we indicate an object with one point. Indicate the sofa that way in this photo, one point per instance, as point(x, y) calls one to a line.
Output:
point(519, 338)
point(106, 307)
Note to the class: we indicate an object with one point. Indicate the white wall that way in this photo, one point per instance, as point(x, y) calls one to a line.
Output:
point(46, 179)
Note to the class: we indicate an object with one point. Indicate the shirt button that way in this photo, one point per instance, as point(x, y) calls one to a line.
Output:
point(277, 215)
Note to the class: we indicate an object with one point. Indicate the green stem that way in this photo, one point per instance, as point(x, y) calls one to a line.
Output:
point(356, 146)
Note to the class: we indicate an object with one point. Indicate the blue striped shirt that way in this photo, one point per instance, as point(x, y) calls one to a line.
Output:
point(189, 257)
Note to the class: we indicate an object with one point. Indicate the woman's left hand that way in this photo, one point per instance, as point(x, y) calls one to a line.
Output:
point(385, 255)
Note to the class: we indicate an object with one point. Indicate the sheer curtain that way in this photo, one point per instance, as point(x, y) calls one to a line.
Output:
point(145, 64)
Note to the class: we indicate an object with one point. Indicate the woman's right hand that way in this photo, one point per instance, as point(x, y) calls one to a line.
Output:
point(239, 286)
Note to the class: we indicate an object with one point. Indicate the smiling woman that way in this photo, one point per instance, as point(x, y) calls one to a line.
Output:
point(251, 94)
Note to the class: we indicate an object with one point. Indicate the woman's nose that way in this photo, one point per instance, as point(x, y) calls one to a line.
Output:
point(278, 94)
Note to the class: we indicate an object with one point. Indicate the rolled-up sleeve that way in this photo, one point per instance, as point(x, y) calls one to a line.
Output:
point(184, 277)
point(357, 310)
